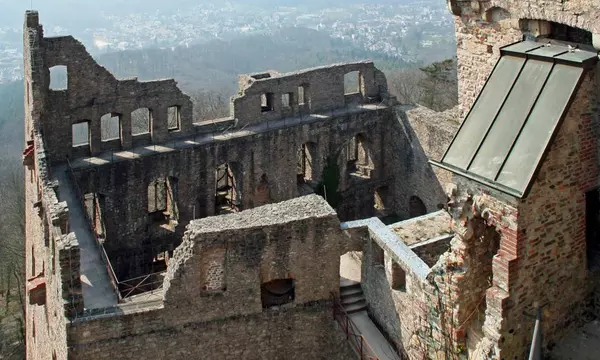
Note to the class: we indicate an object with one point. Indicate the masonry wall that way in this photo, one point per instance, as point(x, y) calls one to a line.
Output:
point(550, 244)
point(401, 314)
point(53, 288)
point(299, 239)
point(483, 27)
point(308, 332)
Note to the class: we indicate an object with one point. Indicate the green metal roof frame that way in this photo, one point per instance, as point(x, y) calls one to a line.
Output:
point(537, 68)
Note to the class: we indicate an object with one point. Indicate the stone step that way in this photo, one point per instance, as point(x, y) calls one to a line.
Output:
point(348, 283)
point(349, 291)
point(356, 307)
point(347, 300)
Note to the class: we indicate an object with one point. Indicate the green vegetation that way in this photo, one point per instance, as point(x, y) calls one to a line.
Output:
point(328, 187)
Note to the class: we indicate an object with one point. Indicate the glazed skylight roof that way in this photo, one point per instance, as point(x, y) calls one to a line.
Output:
point(506, 133)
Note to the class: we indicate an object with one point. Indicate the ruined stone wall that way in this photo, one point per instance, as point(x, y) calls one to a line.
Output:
point(322, 90)
point(53, 287)
point(299, 239)
point(91, 93)
point(401, 314)
point(124, 184)
point(429, 133)
point(306, 332)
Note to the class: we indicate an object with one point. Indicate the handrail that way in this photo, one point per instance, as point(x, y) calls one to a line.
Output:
point(358, 342)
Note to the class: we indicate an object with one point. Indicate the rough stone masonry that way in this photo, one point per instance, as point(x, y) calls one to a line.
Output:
point(194, 240)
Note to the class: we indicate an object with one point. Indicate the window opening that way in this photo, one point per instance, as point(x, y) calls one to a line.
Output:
point(352, 82)
point(266, 102)
point(278, 292)
point(140, 121)
point(81, 133)
point(592, 228)
point(174, 118)
point(359, 159)
point(286, 100)
point(416, 207)
point(162, 206)
point(305, 158)
point(58, 77)
point(226, 191)
point(398, 277)
point(110, 127)
point(303, 95)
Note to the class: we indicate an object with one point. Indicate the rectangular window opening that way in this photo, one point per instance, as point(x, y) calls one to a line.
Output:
point(58, 77)
point(110, 127)
point(81, 134)
point(398, 277)
point(266, 102)
point(140, 121)
point(352, 82)
point(174, 118)
point(286, 100)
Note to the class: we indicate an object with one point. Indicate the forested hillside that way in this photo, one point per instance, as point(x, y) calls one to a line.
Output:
point(216, 65)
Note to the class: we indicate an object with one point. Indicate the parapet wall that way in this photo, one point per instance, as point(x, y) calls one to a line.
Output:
point(53, 289)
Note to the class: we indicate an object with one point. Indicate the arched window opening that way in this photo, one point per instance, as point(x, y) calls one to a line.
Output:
point(380, 198)
point(226, 197)
point(140, 121)
point(416, 207)
point(534, 29)
point(277, 292)
point(58, 78)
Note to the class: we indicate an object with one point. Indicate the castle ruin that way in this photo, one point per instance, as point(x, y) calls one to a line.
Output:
point(149, 234)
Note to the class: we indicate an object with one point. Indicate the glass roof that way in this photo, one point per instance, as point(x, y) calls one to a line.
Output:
point(505, 135)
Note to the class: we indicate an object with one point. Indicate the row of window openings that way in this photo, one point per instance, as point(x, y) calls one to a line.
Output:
point(351, 86)
point(110, 125)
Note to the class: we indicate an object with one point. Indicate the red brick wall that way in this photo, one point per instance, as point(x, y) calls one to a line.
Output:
point(544, 261)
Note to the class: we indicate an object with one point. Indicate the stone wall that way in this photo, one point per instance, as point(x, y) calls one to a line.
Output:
point(307, 332)
point(483, 27)
point(53, 288)
point(322, 91)
point(431, 133)
point(298, 239)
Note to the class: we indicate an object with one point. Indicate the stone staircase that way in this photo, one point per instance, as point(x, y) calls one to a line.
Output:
point(352, 297)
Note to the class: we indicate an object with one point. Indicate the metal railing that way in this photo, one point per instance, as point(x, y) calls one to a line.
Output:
point(353, 335)
point(124, 288)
